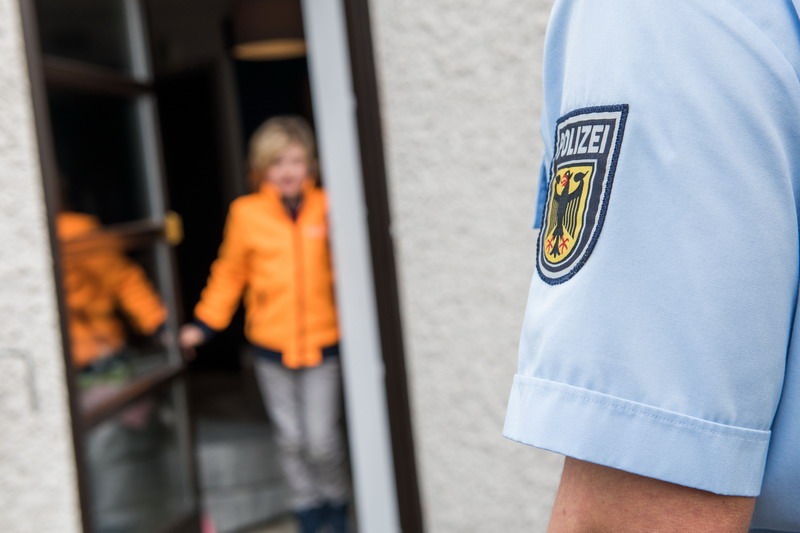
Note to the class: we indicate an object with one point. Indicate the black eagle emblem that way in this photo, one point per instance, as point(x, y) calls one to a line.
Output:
point(564, 213)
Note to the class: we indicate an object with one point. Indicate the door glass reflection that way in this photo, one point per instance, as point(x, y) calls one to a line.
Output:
point(116, 315)
point(137, 477)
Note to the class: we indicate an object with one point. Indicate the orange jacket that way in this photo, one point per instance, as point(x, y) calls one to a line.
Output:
point(283, 266)
point(97, 283)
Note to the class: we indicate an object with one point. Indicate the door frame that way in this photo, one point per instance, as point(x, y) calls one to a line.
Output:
point(378, 404)
point(347, 114)
point(376, 196)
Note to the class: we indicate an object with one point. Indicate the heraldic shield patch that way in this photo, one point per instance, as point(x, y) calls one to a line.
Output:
point(587, 146)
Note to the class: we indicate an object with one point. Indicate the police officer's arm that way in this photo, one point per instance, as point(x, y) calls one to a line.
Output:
point(654, 317)
point(597, 498)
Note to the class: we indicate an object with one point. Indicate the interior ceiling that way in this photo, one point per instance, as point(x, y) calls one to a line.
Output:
point(187, 32)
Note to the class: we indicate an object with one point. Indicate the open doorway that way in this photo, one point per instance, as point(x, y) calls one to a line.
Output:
point(240, 479)
point(185, 110)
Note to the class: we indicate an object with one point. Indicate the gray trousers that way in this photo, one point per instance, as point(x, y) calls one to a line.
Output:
point(304, 407)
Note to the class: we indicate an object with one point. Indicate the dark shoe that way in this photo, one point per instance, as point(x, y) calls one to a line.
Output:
point(337, 517)
point(311, 520)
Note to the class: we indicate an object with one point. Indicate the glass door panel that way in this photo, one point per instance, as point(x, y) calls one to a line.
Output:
point(136, 466)
point(100, 155)
point(119, 313)
point(105, 33)
point(117, 271)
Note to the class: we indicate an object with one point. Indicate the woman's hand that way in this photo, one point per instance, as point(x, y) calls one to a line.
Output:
point(191, 336)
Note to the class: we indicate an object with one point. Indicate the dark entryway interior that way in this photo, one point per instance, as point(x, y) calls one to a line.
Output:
point(209, 105)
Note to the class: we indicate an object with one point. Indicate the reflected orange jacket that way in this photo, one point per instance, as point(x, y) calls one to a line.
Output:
point(97, 284)
point(283, 267)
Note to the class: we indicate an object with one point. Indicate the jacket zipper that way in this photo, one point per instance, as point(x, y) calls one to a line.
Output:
point(300, 274)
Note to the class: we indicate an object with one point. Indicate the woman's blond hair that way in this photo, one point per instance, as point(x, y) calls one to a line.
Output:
point(272, 138)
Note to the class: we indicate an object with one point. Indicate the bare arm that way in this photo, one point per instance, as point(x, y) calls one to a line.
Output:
point(597, 499)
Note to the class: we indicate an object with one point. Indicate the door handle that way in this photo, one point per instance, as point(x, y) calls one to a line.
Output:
point(173, 228)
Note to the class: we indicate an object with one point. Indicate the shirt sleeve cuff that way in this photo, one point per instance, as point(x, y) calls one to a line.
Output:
point(208, 332)
point(636, 438)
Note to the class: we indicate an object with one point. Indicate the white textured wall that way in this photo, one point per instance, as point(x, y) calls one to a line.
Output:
point(461, 90)
point(37, 477)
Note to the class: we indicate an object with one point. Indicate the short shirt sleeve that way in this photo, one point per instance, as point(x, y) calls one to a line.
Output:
point(659, 315)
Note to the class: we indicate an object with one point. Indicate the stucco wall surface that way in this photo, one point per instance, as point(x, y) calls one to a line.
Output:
point(37, 487)
point(461, 90)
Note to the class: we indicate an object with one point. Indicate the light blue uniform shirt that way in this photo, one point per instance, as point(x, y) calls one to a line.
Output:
point(660, 335)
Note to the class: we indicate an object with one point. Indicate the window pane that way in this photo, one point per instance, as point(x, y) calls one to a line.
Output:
point(98, 144)
point(117, 308)
point(94, 31)
point(137, 473)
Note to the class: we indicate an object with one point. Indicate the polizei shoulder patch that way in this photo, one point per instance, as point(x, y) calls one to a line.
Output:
point(587, 147)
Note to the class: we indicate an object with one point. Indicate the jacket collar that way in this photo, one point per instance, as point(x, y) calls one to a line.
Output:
point(271, 194)
point(269, 190)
